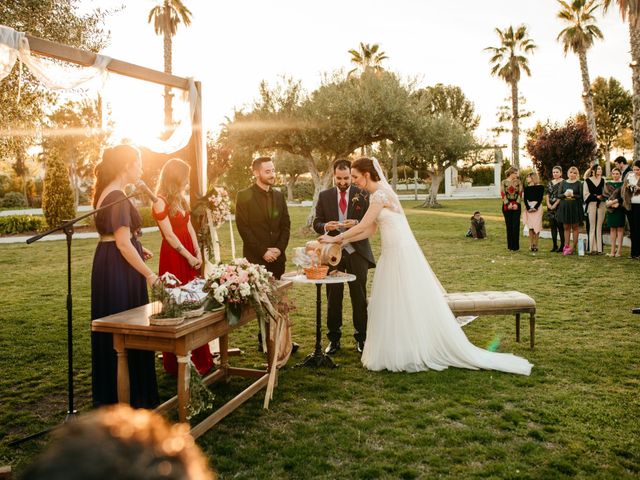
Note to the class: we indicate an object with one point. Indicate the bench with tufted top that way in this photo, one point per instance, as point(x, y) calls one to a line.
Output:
point(495, 303)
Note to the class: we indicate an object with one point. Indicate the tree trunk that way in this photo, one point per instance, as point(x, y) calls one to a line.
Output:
point(320, 182)
point(634, 33)
point(73, 176)
point(291, 182)
point(432, 198)
point(394, 173)
point(515, 126)
point(607, 161)
point(587, 95)
point(168, 110)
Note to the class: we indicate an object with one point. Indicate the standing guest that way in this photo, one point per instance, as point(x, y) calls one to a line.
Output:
point(263, 221)
point(570, 211)
point(511, 193)
point(593, 194)
point(631, 196)
point(118, 278)
point(533, 196)
point(179, 254)
point(557, 229)
point(622, 165)
point(615, 217)
point(477, 227)
point(338, 209)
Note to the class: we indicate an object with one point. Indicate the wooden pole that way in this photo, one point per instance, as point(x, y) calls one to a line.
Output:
point(82, 57)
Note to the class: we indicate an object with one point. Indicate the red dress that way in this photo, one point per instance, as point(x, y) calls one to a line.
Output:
point(171, 261)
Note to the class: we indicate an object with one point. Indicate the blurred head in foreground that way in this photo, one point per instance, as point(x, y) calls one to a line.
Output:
point(119, 442)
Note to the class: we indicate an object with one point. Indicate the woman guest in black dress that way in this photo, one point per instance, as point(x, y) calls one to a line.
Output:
point(119, 278)
point(593, 193)
point(557, 229)
point(631, 197)
point(511, 192)
point(570, 211)
point(615, 217)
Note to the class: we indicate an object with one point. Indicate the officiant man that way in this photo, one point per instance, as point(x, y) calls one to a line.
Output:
point(263, 221)
point(345, 204)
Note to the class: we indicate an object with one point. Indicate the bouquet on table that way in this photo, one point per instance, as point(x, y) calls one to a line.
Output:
point(174, 301)
point(240, 283)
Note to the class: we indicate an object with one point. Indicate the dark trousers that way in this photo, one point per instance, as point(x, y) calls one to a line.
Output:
point(557, 230)
point(357, 265)
point(512, 221)
point(634, 226)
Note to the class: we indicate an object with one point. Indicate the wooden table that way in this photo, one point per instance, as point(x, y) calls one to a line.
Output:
point(131, 329)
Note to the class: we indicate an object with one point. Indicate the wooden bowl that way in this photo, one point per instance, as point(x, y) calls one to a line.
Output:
point(316, 273)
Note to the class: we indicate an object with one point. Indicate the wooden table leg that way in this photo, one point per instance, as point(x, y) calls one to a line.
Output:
point(183, 385)
point(123, 369)
point(223, 342)
point(517, 327)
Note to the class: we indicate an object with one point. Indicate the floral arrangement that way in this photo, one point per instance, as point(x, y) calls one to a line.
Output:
point(167, 307)
point(211, 210)
point(235, 282)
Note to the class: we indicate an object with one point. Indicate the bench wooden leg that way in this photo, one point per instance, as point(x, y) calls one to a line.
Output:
point(532, 329)
point(517, 327)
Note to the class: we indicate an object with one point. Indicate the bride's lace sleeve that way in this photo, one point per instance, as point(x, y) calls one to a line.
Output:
point(386, 199)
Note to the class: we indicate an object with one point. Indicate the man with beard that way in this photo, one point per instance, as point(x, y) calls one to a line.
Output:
point(338, 209)
point(263, 221)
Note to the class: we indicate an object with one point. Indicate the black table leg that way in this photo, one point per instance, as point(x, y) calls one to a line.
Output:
point(318, 358)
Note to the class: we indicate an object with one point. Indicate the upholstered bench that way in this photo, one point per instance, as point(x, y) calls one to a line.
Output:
point(495, 303)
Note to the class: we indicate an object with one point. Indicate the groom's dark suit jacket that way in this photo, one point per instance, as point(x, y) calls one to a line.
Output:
point(263, 222)
point(357, 263)
point(327, 211)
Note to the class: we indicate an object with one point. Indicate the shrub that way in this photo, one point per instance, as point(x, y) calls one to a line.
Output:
point(14, 200)
point(147, 217)
point(12, 224)
point(57, 195)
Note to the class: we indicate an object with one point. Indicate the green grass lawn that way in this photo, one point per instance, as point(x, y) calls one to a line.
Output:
point(576, 416)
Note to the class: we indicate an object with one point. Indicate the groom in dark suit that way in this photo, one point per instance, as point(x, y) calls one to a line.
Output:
point(348, 204)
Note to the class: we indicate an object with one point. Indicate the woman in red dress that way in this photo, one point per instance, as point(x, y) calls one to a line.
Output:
point(179, 253)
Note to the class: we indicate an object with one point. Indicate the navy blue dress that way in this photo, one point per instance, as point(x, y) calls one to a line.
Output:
point(116, 286)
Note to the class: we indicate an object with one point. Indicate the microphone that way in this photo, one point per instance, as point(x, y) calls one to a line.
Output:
point(141, 187)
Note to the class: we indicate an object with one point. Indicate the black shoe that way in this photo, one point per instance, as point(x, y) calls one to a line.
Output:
point(554, 249)
point(332, 348)
point(360, 346)
point(294, 347)
point(636, 310)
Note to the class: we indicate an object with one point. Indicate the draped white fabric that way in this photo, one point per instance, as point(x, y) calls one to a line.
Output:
point(15, 45)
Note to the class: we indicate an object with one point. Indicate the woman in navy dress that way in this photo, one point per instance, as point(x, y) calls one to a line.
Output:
point(119, 278)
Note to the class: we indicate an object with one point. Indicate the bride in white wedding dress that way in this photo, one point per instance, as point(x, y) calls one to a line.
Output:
point(410, 326)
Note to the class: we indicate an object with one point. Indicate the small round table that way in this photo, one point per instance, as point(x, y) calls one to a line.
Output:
point(318, 358)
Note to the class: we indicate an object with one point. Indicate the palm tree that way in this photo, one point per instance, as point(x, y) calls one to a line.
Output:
point(578, 36)
point(166, 17)
point(631, 9)
point(508, 60)
point(368, 57)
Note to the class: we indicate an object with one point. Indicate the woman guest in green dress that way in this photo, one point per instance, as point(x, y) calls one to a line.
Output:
point(570, 211)
point(615, 218)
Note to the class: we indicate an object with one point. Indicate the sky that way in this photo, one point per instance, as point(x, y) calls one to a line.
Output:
point(231, 46)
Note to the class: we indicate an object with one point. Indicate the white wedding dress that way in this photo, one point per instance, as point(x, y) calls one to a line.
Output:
point(410, 326)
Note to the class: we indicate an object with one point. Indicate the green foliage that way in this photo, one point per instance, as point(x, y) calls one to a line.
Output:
point(13, 199)
point(59, 21)
point(57, 197)
point(613, 110)
point(147, 217)
point(565, 145)
point(12, 224)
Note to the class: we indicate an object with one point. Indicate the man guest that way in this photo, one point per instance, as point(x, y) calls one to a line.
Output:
point(338, 209)
point(263, 221)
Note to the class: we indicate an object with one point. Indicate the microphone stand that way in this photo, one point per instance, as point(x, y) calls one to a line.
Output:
point(67, 227)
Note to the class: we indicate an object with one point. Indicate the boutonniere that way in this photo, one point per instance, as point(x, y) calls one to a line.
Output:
point(356, 199)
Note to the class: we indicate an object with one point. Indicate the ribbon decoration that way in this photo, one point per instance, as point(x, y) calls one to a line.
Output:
point(233, 240)
point(213, 231)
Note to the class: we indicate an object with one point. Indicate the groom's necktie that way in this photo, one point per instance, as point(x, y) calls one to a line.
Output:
point(343, 202)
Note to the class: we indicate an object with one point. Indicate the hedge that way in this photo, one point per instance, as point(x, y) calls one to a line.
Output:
point(13, 224)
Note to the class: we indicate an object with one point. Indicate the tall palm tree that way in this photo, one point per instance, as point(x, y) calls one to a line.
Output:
point(166, 16)
point(367, 57)
point(578, 36)
point(631, 9)
point(508, 61)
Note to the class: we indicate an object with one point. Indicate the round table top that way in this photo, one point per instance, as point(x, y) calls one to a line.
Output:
point(342, 277)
